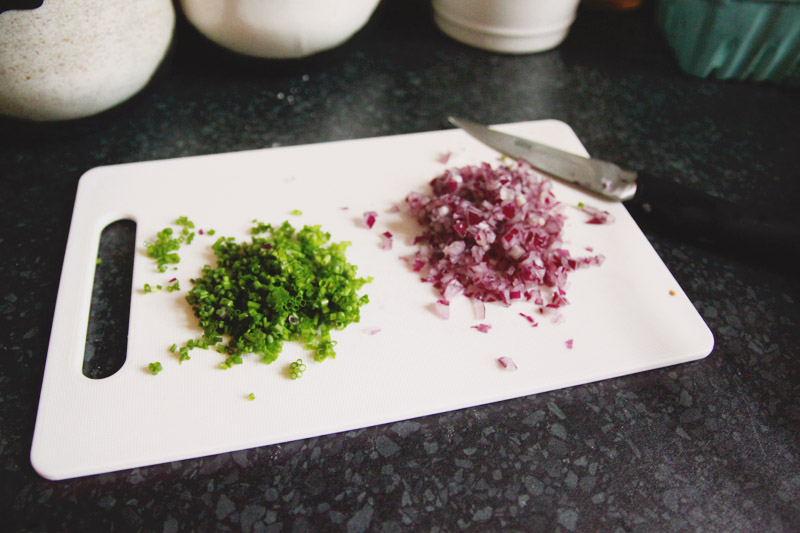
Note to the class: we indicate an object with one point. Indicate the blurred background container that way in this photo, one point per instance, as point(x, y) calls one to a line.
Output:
point(506, 26)
point(278, 29)
point(756, 40)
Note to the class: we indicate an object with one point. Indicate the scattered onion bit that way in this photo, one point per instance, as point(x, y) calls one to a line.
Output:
point(507, 363)
point(442, 309)
point(568, 343)
point(494, 231)
point(596, 215)
point(386, 243)
point(444, 158)
point(529, 319)
point(483, 328)
point(369, 218)
point(374, 331)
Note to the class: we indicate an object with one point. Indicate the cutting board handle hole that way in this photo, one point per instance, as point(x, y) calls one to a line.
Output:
point(109, 314)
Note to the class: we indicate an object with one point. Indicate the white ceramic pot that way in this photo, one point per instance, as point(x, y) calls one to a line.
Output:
point(278, 29)
point(508, 26)
point(74, 58)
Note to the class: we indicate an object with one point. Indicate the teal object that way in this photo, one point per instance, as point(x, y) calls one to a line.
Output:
point(734, 39)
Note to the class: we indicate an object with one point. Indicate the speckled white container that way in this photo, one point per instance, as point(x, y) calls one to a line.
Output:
point(75, 58)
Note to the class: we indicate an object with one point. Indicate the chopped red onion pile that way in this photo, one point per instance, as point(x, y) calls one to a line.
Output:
point(494, 234)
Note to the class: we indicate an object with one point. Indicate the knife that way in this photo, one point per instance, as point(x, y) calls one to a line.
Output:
point(662, 205)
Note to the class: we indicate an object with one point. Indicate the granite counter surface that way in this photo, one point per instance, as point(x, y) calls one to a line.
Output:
point(712, 445)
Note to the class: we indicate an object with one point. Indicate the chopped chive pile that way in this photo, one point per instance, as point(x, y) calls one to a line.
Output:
point(155, 368)
point(283, 285)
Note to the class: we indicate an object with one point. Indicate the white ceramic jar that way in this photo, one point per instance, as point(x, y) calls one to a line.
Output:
point(75, 58)
point(278, 29)
point(507, 26)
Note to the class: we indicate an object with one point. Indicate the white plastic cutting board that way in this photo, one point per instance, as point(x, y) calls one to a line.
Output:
point(622, 316)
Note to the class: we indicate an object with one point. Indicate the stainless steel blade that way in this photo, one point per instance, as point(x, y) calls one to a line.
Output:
point(600, 177)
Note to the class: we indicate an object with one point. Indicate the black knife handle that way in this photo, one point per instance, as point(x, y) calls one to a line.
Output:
point(675, 210)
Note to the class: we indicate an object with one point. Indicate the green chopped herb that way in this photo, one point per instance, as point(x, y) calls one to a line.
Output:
point(155, 368)
point(163, 250)
point(211, 232)
point(297, 212)
point(159, 287)
point(283, 285)
point(296, 369)
point(147, 288)
point(173, 348)
point(251, 396)
point(185, 222)
point(580, 204)
point(174, 287)
point(98, 261)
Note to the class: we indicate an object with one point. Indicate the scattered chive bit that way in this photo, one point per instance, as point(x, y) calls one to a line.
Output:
point(296, 369)
point(251, 396)
point(297, 212)
point(211, 232)
point(159, 287)
point(184, 354)
point(174, 286)
point(281, 286)
point(147, 288)
point(98, 261)
point(163, 250)
point(155, 368)
point(581, 204)
point(173, 348)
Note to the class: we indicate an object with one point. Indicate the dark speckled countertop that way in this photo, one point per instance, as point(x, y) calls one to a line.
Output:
point(712, 445)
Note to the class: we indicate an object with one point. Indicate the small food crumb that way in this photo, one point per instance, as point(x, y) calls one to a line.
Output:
point(296, 369)
point(507, 363)
point(386, 242)
point(369, 218)
point(442, 309)
point(529, 319)
point(672, 293)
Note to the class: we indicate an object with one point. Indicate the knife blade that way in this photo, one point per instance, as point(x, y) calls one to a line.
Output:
point(656, 203)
